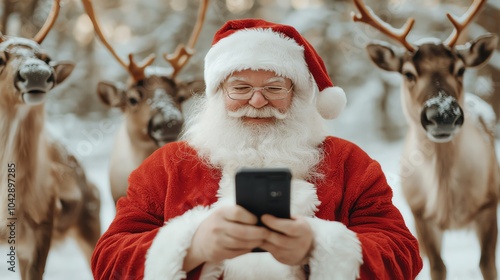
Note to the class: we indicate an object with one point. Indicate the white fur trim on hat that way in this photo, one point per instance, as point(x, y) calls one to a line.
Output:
point(331, 102)
point(264, 49)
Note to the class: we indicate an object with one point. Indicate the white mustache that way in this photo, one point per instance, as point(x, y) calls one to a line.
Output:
point(251, 112)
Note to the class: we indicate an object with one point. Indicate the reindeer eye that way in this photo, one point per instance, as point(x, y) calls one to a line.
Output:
point(409, 76)
point(460, 72)
point(133, 101)
point(133, 96)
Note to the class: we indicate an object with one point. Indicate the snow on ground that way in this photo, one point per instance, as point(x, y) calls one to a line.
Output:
point(91, 141)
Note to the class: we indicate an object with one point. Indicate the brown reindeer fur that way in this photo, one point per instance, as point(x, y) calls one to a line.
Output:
point(52, 193)
point(452, 183)
point(449, 171)
point(133, 142)
point(451, 186)
point(53, 198)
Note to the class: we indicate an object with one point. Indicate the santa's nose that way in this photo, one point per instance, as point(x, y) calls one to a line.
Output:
point(258, 100)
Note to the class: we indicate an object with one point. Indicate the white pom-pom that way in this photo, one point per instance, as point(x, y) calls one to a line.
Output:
point(330, 102)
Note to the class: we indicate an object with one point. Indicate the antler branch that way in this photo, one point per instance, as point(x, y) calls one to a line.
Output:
point(369, 17)
point(49, 23)
point(135, 70)
point(183, 53)
point(461, 23)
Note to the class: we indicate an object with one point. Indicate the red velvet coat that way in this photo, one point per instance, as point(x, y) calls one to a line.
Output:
point(359, 232)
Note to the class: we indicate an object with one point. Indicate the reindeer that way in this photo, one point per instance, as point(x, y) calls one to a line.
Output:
point(454, 178)
point(43, 187)
point(151, 101)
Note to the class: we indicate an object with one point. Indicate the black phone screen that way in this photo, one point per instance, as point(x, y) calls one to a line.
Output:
point(264, 191)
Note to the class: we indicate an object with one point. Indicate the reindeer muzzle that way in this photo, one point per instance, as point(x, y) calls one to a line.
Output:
point(165, 127)
point(441, 118)
point(34, 79)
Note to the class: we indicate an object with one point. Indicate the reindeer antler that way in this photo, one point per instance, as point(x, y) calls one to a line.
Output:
point(49, 23)
point(182, 53)
point(135, 70)
point(465, 20)
point(369, 17)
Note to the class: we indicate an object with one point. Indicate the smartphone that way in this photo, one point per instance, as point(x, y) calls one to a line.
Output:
point(264, 191)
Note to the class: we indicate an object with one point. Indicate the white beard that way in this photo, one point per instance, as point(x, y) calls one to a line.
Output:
point(224, 141)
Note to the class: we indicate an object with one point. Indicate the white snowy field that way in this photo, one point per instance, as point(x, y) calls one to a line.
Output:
point(91, 141)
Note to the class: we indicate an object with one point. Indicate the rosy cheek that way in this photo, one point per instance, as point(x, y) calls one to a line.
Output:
point(233, 105)
point(281, 105)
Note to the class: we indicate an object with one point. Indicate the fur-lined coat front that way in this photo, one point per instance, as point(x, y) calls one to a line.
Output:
point(358, 232)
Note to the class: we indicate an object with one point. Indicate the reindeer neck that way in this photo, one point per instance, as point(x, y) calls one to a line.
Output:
point(20, 138)
point(140, 143)
point(24, 145)
point(440, 155)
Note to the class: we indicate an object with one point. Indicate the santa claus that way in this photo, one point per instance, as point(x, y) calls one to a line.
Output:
point(267, 95)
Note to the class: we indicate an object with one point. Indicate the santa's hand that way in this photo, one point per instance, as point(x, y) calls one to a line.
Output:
point(228, 232)
point(292, 241)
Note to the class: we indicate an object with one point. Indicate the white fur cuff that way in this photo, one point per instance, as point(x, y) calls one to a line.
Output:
point(165, 257)
point(336, 253)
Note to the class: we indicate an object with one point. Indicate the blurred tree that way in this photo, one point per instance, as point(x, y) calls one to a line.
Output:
point(489, 21)
point(24, 11)
point(29, 23)
point(157, 26)
point(8, 7)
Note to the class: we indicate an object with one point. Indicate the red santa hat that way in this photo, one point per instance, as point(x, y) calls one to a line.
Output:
point(260, 45)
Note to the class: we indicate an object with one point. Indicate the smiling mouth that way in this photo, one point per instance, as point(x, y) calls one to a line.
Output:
point(258, 119)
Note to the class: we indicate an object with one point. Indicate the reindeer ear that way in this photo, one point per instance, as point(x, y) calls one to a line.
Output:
point(111, 94)
point(384, 56)
point(478, 51)
point(62, 70)
point(187, 90)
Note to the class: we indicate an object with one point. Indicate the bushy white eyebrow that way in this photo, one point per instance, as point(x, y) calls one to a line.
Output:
point(276, 79)
point(244, 79)
point(236, 79)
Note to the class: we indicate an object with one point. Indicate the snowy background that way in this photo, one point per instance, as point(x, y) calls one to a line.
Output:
point(373, 118)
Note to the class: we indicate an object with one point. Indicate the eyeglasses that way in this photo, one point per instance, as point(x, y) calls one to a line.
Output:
point(243, 92)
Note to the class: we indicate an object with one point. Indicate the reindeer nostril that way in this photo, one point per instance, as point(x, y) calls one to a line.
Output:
point(51, 79)
point(459, 118)
point(427, 117)
point(19, 77)
point(171, 123)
